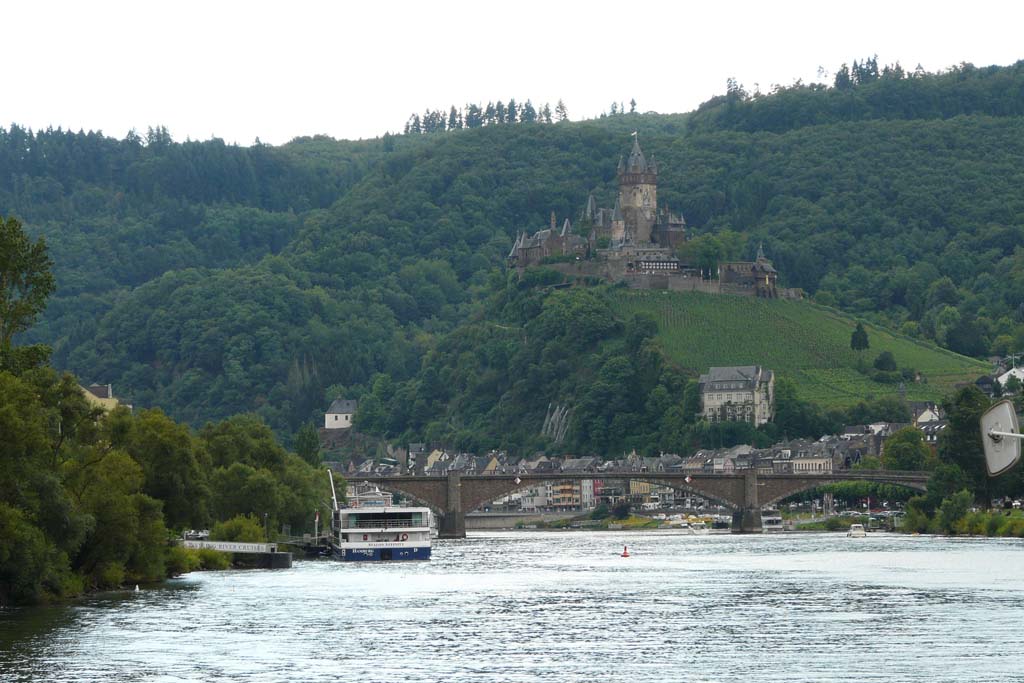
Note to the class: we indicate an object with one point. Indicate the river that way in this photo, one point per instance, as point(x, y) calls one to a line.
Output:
point(561, 606)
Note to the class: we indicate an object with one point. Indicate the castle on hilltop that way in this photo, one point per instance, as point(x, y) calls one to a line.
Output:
point(636, 241)
point(635, 231)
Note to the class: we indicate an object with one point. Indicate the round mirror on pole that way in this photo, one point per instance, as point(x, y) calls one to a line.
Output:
point(1001, 437)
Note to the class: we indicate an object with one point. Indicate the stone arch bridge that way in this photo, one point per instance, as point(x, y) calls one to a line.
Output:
point(745, 493)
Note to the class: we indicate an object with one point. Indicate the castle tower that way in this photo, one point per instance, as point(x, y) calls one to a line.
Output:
point(638, 194)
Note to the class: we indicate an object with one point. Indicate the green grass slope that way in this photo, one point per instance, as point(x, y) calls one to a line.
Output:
point(806, 343)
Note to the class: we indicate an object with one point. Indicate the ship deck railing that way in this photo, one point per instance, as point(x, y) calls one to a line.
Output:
point(384, 524)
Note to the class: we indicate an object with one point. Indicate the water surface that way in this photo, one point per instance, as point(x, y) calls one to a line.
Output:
point(550, 606)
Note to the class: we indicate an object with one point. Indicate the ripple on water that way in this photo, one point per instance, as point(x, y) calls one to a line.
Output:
point(537, 606)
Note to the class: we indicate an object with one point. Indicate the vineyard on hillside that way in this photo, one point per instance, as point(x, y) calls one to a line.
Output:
point(806, 343)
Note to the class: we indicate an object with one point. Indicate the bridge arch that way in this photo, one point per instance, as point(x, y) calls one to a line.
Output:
point(777, 492)
point(745, 493)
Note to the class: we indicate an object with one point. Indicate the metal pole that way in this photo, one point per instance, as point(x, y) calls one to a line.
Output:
point(992, 434)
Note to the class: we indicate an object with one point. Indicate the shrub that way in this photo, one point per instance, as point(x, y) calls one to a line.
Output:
point(995, 524)
point(213, 560)
point(110, 575)
point(241, 528)
point(885, 362)
point(1014, 527)
point(835, 524)
point(182, 560)
point(953, 510)
point(915, 520)
point(974, 524)
point(600, 512)
point(621, 510)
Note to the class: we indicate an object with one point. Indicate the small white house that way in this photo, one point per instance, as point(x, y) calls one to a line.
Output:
point(339, 415)
point(1014, 372)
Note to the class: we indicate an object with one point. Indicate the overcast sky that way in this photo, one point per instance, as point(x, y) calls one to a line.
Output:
point(277, 70)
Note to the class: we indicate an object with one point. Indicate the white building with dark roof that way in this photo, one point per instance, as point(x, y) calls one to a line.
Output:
point(339, 415)
point(738, 394)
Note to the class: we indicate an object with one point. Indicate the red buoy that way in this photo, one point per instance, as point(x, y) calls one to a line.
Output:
point(625, 551)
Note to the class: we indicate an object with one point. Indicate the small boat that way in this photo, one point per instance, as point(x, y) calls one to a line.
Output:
point(771, 521)
point(856, 531)
point(699, 528)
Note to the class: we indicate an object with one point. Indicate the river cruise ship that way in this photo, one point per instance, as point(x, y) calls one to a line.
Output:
point(379, 532)
point(382, 533)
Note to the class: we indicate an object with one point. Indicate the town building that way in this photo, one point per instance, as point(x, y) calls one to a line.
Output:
point(925, 411)
point(340, 413)
point(738, 394)
point(1012, 373)
point(101, 396)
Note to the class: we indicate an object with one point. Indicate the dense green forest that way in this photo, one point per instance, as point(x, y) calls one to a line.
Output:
point(89, 499)
point(536, 346)
point(209, 279)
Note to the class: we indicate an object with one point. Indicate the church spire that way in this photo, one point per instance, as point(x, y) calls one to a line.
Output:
point(760, 252)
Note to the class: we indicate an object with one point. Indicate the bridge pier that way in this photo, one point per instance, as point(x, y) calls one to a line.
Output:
point(747, 519)
point(452, 523)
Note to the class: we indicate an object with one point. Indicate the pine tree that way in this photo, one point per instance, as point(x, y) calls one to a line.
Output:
point(529, 114)
point(545, 113)
point(632, 106)
point(843, 81)
point(859, 338)
point(474, 116)
point(561, 113)
point(513, 111)
point(453, 119)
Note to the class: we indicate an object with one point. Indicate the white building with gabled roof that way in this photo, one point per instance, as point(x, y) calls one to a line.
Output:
point(340, 414)
point(743, 393)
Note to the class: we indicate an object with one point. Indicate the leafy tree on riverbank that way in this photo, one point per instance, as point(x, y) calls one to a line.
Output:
point(88, 500)
point(25, 281)
point(906, 450)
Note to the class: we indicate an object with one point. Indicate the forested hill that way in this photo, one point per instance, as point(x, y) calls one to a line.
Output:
point(209, 279)
point(867, 91)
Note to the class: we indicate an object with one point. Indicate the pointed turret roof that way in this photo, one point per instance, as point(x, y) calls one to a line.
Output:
point(622, 164)
point(515, 245)
point(637, 162)
point(617, 211)
point(566, 228)
point(760, 252)
point(591, 210)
